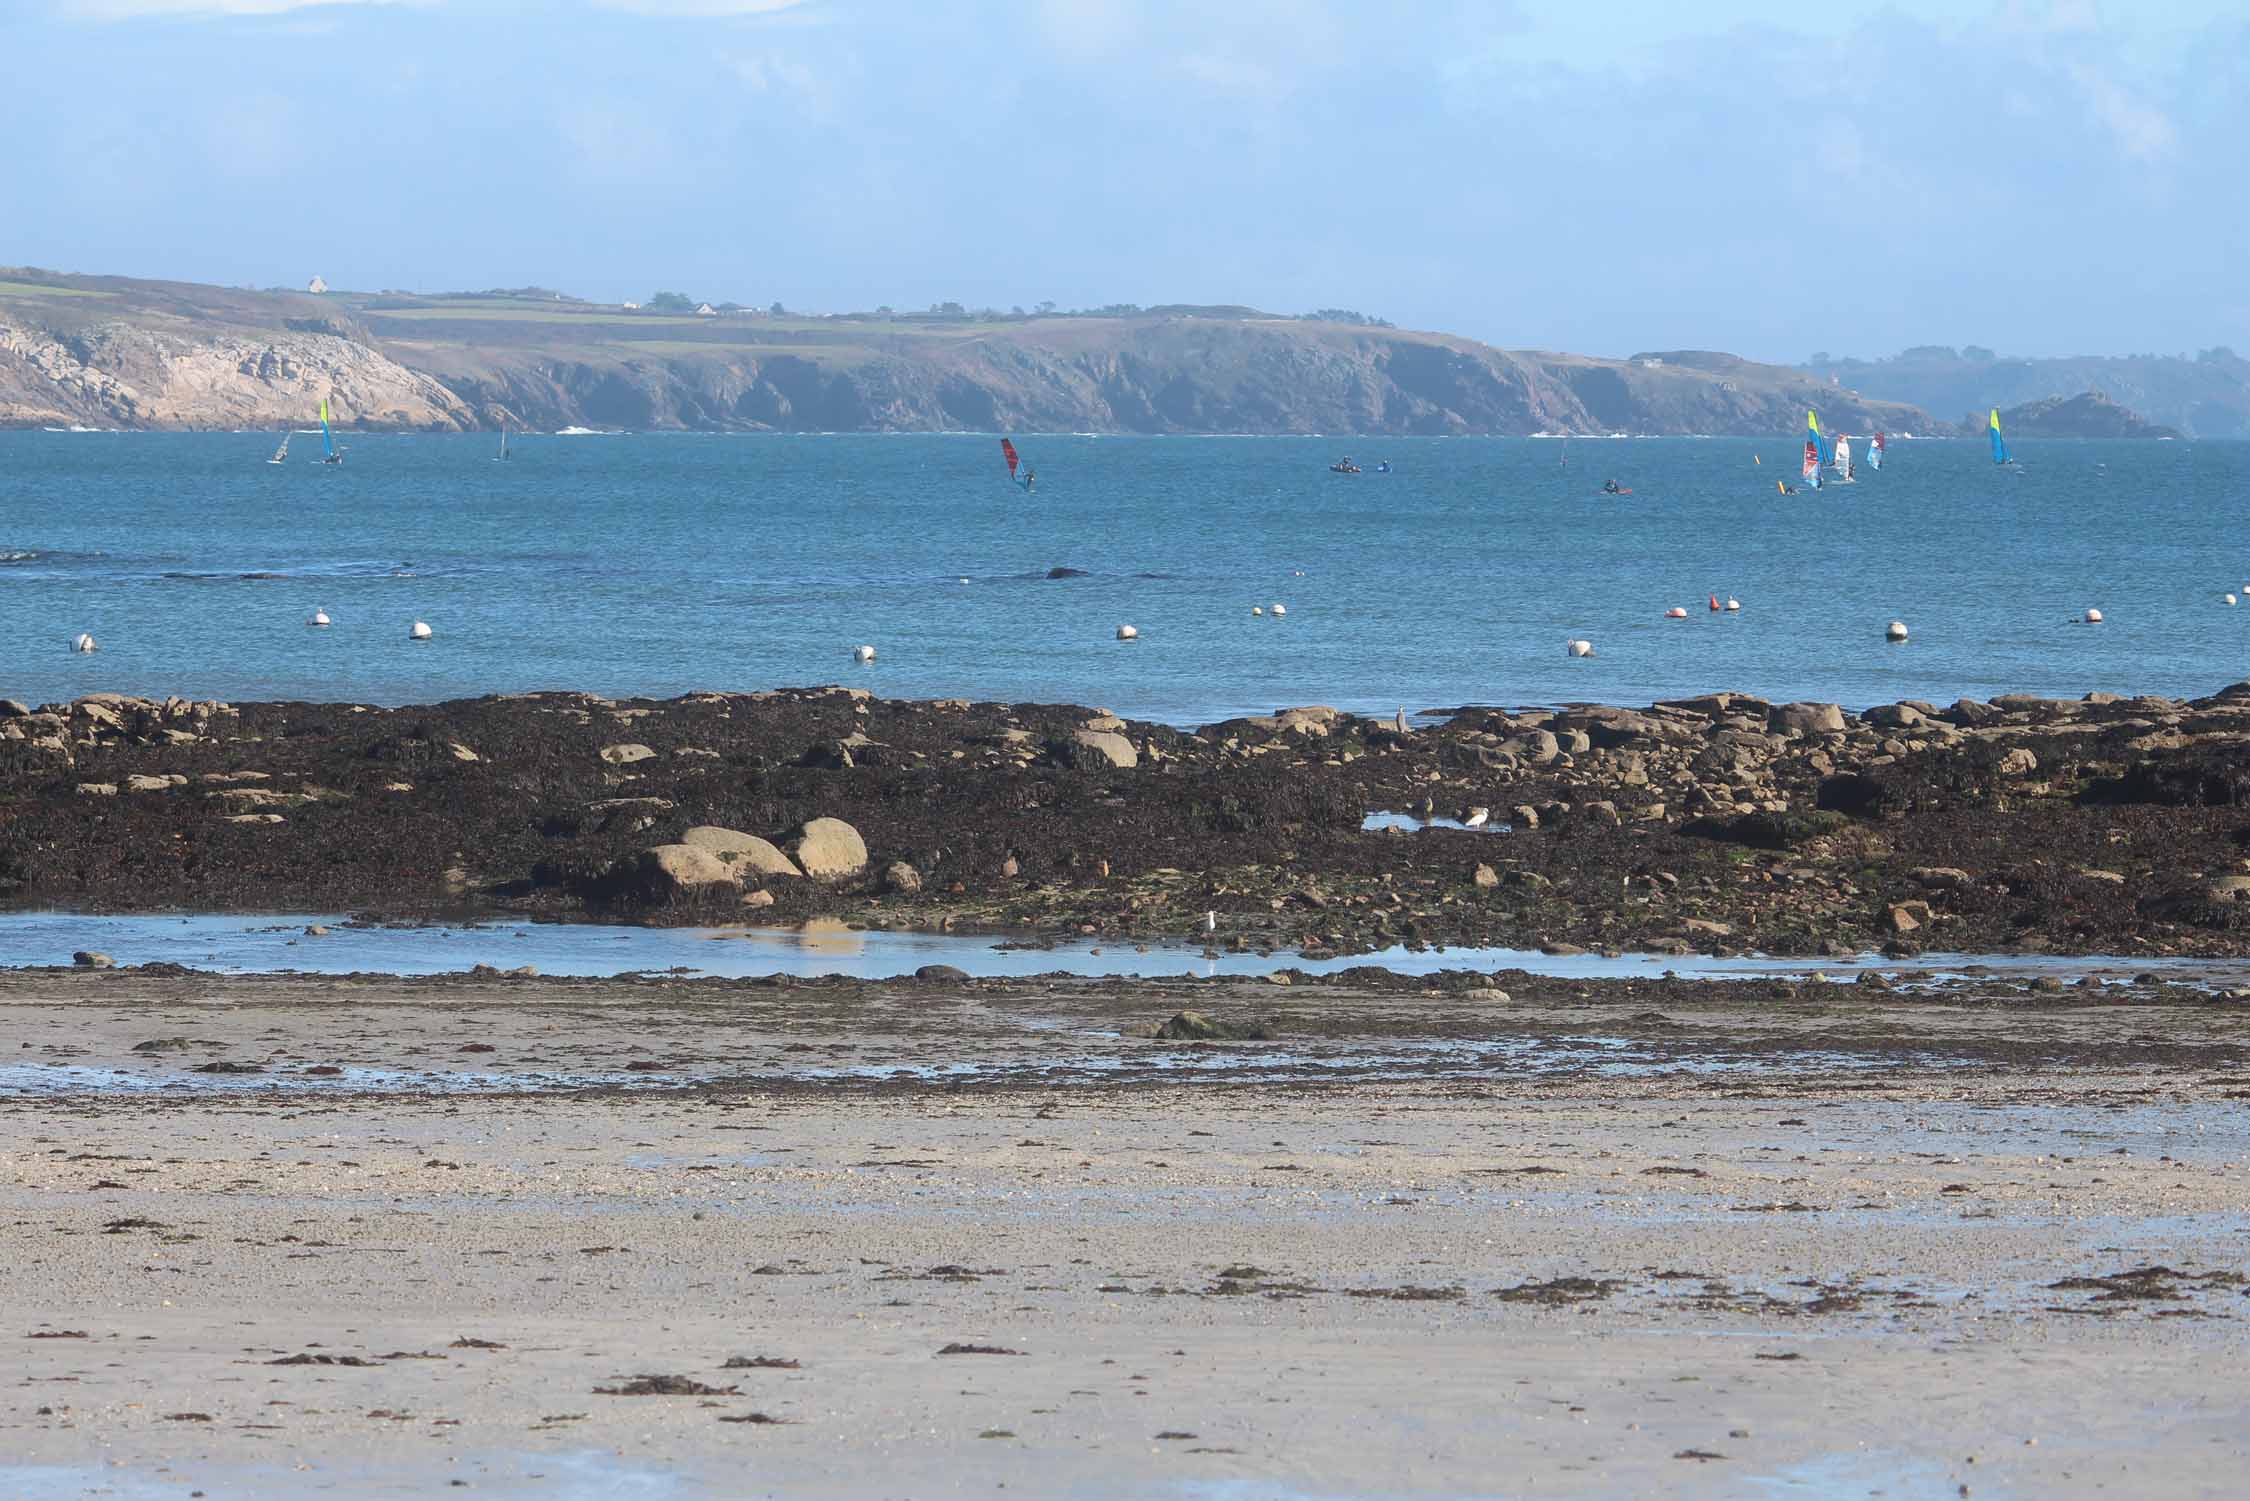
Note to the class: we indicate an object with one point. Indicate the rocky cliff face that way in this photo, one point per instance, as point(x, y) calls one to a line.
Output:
point(115, 374)
point(107, 352)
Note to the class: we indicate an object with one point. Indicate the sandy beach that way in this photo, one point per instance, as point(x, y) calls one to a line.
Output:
point(1977, 1237)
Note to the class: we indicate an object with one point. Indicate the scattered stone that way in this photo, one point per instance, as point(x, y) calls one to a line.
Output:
point(626, 754)
point(901, 878)
point(92, 959)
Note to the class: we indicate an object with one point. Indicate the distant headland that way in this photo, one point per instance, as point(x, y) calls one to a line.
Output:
point(106, 351)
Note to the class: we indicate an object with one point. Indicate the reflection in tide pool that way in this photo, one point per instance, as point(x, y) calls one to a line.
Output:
point(269, 944)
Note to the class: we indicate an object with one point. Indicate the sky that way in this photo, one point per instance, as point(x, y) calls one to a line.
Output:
point(1775, 179)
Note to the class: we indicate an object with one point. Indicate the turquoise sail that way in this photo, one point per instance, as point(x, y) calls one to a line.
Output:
point(1999, 444)
point(327, 438)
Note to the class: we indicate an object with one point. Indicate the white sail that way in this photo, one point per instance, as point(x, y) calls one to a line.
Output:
point(281, 454)
point(1844, 456)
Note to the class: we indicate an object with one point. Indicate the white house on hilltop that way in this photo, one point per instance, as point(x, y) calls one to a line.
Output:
point(316, 286)
point(706, 311)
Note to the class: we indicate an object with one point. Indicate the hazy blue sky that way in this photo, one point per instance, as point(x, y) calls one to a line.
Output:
point(1773, 178)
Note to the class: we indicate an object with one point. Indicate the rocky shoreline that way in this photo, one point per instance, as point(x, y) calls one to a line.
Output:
point(1715, 824)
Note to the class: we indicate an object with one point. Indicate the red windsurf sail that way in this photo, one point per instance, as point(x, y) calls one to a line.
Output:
point(1008, 452)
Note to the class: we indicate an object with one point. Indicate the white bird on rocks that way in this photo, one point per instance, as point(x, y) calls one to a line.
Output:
point(1895, 631)
point(1399, 724)
point(863, 654)
point(1128, 633)
point(1477, 818)
point(82, 642)
point(319, 617)
point(419, 632)
point(1580, 648)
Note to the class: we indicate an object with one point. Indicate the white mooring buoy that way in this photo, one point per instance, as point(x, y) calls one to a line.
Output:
point(1895, 631)
point(1675, 613)
point(419, 632)
point(1580, 648)
point(1733, 603)
point(1128, 633)
point(82, 642)
point(319, 617)
point(863, 653)
point(1258, 609)
point(2093, 617)
point(2228, 598)
point(1281, 609)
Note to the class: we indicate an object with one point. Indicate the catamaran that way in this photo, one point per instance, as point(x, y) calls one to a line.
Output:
point(281, 454)
point(333, 454)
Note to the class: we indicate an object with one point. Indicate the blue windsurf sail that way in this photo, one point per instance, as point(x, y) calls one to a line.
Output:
point(1999, 444)
point(328, 439)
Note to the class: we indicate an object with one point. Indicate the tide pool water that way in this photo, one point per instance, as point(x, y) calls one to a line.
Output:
point(657, 564)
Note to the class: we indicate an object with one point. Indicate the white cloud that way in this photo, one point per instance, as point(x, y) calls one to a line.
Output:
point(132, 10)
point(699, 7)
point(2140, 128)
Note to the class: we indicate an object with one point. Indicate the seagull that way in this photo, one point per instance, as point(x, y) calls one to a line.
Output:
point(1476, 818)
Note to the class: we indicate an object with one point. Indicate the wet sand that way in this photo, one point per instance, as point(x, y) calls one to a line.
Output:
point(1703, 1239)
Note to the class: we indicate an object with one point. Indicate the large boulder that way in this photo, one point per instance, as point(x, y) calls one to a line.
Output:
point(1096, 749)
point(742, 852)
point(1806, 719)
point(679, 872)
point(829, 849)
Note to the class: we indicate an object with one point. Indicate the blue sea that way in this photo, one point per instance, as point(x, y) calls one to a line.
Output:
point(663, 563)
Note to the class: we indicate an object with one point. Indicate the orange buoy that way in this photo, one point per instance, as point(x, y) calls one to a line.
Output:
point(1714, 601)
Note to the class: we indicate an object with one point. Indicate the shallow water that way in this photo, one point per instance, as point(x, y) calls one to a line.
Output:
point(654, 565)
point(273, 943)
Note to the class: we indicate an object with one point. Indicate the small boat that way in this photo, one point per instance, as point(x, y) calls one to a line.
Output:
point(281, 454)
point(1344, 465)
point(333, 454)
